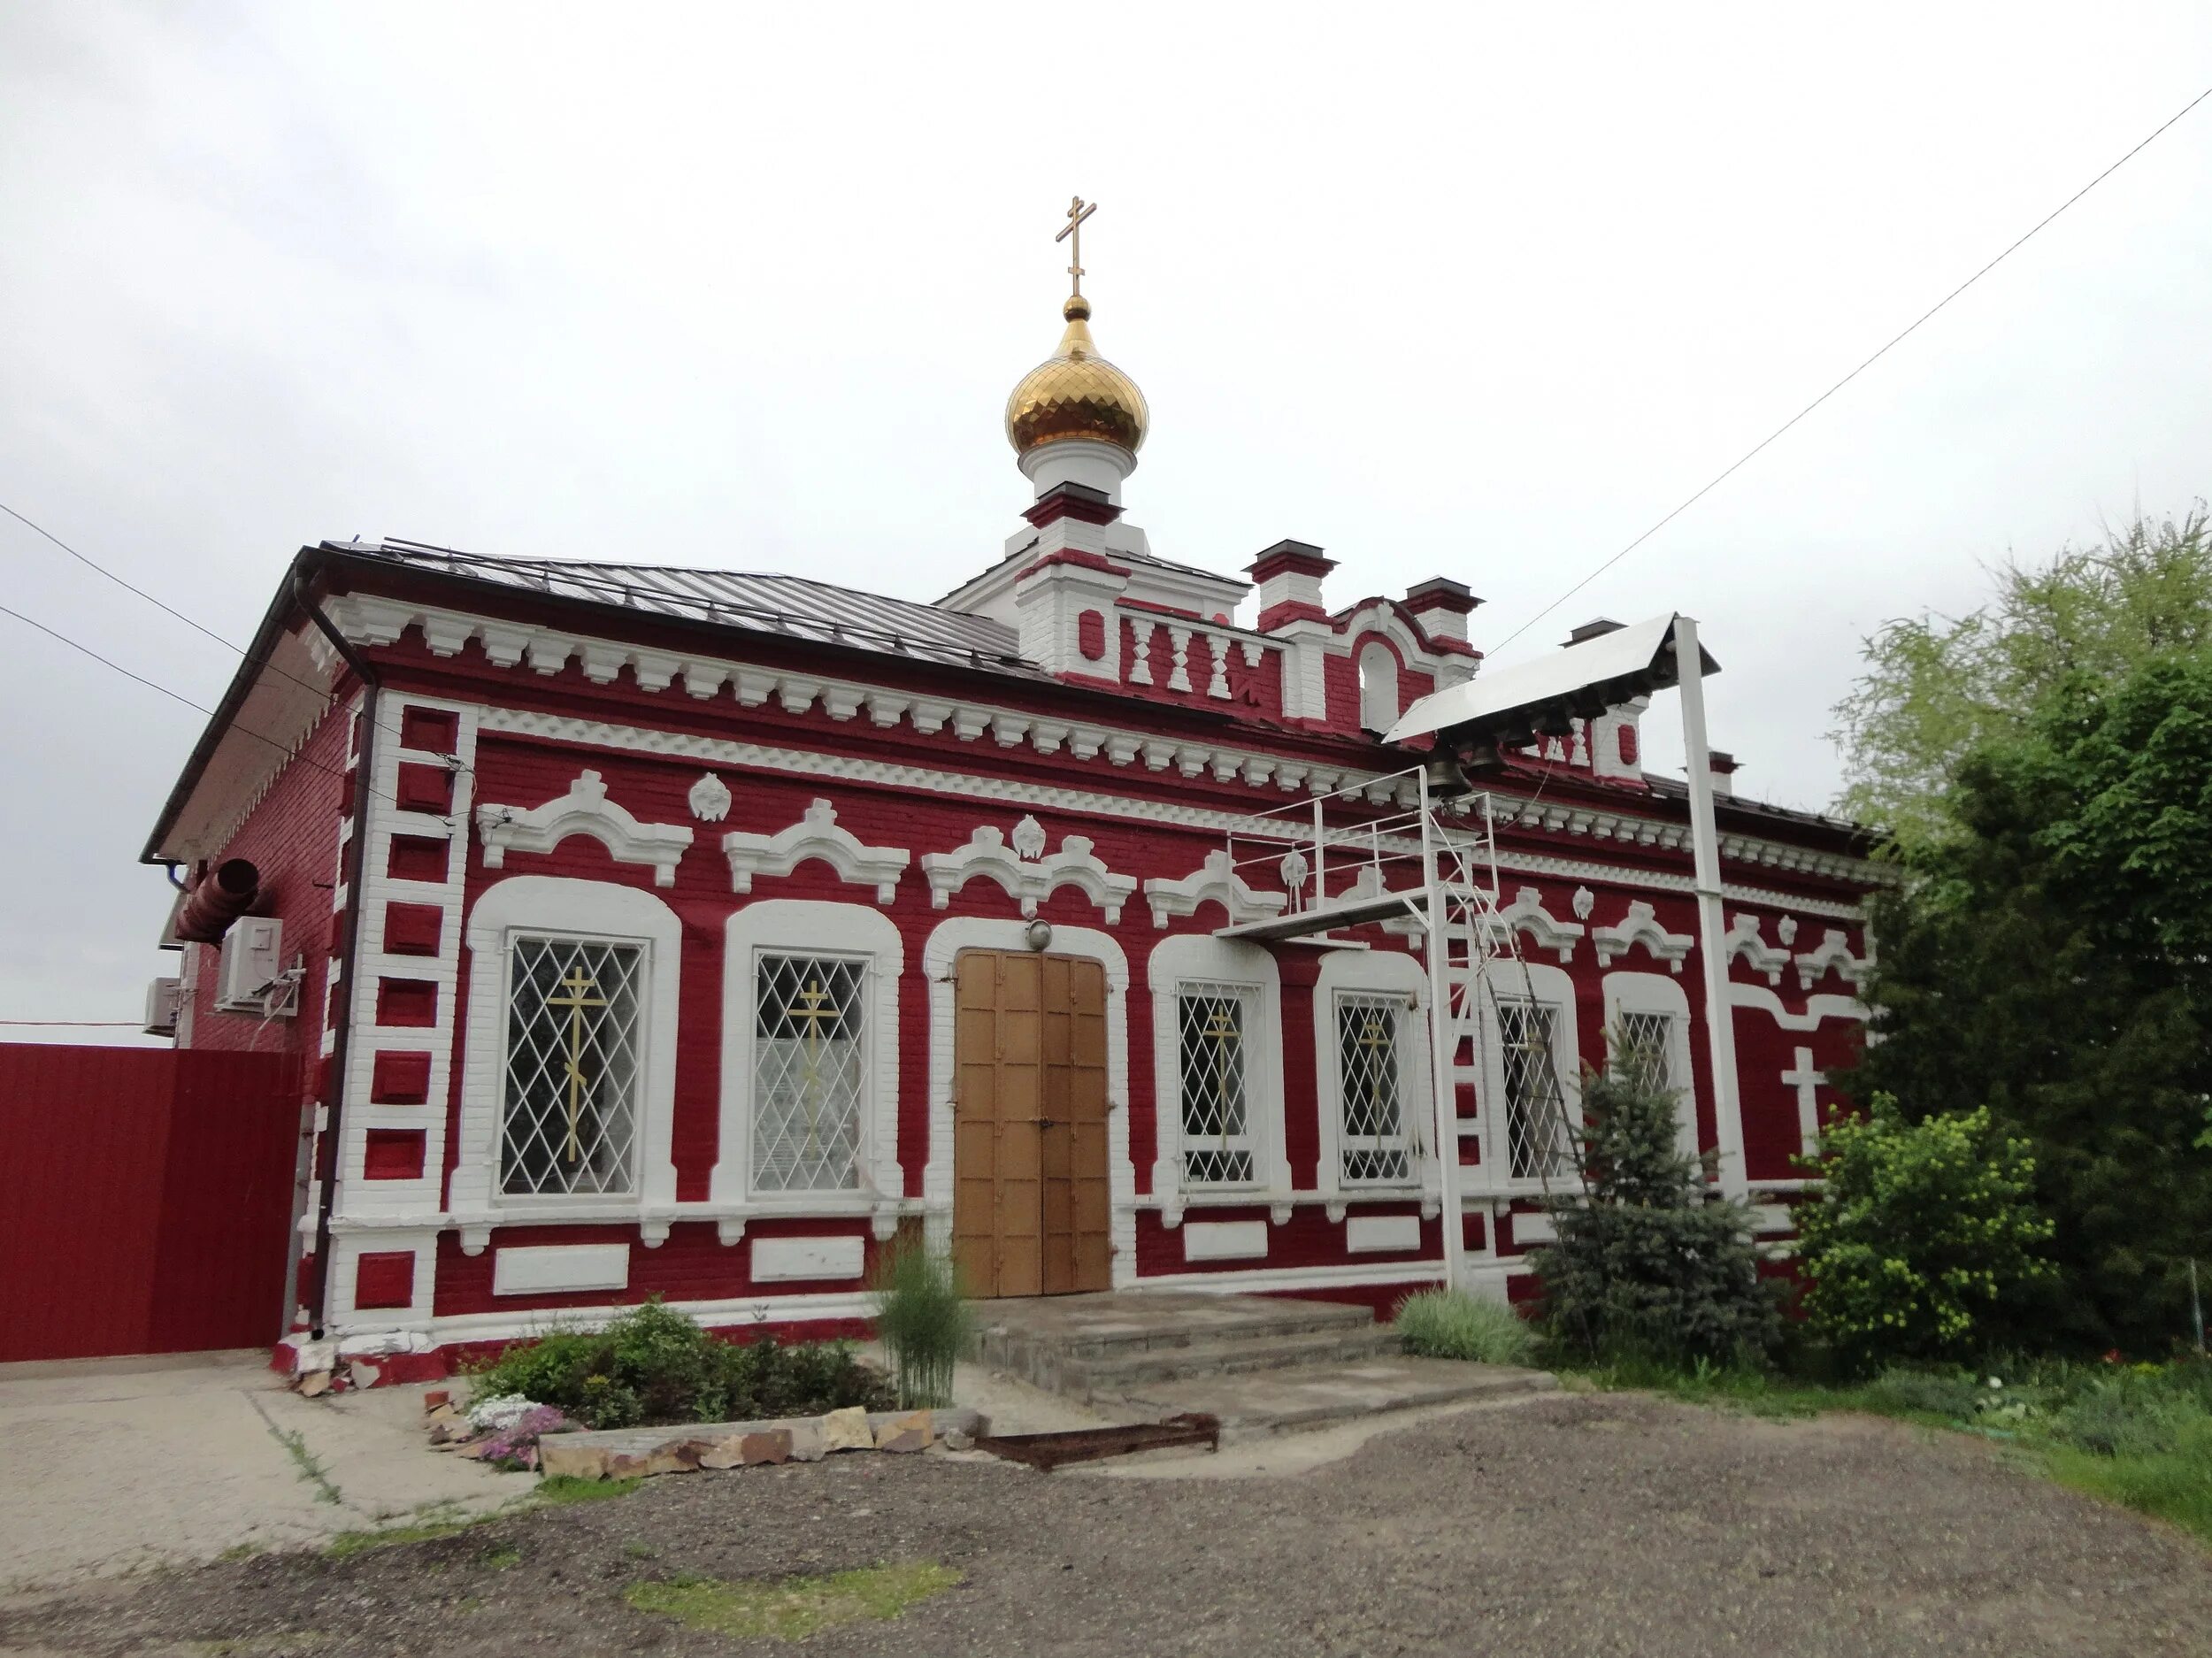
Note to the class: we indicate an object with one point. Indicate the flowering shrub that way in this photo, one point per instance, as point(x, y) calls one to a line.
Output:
point(516, 1444)
point(1921, 1229)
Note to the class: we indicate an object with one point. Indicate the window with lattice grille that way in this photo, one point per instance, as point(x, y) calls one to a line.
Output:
point(809, 1071)
point(1214, 1069)
point(1370, 1073)
point(1535, 1103)
point(570, 1117)
point(1644, 1046)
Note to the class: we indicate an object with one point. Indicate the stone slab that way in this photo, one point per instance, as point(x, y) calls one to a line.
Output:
point(1272, 1402)
point(805, 1433)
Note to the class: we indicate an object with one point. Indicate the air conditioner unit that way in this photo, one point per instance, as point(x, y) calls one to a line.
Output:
point(253, 962)
point(162, 996)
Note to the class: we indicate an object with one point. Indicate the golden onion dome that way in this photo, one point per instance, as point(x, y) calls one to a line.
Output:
point(1075, 393)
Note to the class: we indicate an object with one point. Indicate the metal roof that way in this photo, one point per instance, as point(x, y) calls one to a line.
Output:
point(1610, 668)
point(793, 606)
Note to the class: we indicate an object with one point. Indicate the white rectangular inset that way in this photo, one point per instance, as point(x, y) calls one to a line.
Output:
point(1769, 1218)
point(545, 1267)
point(1371, 1234)
point(1224, 1240)
point(1529, 1230)
point(782, 1260)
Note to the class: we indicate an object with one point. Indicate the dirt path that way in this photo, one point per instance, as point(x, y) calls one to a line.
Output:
point(1607, 1524)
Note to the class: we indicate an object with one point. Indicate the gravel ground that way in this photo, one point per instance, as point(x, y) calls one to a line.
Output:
point(1607, 1524)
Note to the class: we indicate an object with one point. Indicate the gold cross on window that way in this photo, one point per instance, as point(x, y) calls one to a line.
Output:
point(811, 1008)
point(577, 984)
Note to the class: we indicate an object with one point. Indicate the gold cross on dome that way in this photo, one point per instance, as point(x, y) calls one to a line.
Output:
point(1079, 209)
point(576, 984)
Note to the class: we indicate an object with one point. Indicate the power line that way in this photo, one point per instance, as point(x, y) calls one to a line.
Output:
point(282, 748)
point(1751, 453)
point(98, 568)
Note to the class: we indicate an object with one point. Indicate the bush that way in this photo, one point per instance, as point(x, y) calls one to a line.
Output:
point(922, 1319)
point(654, 1365)
point(2131, 1416)
point(1921, 1229)
point(1646, 1265)
point(1453, 1324)
point(1952, 1395)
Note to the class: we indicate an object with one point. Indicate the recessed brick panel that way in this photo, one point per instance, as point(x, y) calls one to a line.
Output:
point(392, 1154)
point(1090, 636)
point(412, 929)
point(424, 788)
point(384, 1278)
point(431, 730)
point(1474, 1232)
point(418, 858)
point(409, 1003)
point(400, 1078)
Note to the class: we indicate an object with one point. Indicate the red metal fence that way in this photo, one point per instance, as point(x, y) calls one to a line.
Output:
point(145, 1199)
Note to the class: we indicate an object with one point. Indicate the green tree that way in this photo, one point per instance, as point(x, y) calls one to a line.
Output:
point(1938, 688)
point(1645, 1263)
point(2052, 958)
point(1921, 1231)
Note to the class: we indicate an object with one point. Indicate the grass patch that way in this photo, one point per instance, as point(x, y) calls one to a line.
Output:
point(311, 1466)
point(792, 1609)
point(501, 1558)
point(1453, 1324)
point(346, 1544)
point(557, 1491)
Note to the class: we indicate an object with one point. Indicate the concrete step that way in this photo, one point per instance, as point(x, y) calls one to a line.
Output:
point(1119, 1372)
point(1255, 1405)
point(1227, 1319)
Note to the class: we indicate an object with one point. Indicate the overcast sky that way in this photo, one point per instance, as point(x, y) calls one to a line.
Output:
point(1476, 291)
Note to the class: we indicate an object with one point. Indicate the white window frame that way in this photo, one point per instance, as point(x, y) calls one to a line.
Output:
point(1510, 980)
point(547, 906)
point(810, 927)
point(1198, 960)
point(1248, 996)
point(1387, 973)
point(1662, 993)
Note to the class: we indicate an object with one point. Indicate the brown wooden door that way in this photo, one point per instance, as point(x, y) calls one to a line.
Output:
point(1030, 1195)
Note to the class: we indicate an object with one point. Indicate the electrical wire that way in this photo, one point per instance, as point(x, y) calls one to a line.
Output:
point(1754, 452)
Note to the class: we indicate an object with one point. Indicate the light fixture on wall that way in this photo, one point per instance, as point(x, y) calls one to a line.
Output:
point(1038, 935)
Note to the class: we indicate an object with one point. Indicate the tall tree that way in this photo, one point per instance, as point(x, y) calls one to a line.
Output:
point(1937, 688)
point(2050, 954)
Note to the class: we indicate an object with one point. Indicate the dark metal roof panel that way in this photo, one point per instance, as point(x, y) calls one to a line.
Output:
point(791, 606)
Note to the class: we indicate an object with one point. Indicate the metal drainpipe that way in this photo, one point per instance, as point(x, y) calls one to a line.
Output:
point(349, 955)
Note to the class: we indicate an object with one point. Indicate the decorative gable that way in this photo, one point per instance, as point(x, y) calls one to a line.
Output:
point(584, 810)
point(816, 835)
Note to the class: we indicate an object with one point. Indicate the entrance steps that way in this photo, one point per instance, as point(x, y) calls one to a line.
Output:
point(1262, 1364)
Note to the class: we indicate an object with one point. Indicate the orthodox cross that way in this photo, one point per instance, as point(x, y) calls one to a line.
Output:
point(1221, 1030)
point(1806, 1080)
point(1079, 209)
point(576, 984)
point(1374, 1037)
point(810, 1007)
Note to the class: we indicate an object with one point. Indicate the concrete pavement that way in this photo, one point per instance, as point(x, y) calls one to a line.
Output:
point(111, 1465)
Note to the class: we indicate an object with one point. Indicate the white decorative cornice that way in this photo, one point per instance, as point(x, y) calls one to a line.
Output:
point(806, 762)
point(1029, 881)
point(816, 835)
point(373, 620)
point(1214, 881)
point(1641, 926)
point(584, 810)
point(1834, 951)
point(1744, 940)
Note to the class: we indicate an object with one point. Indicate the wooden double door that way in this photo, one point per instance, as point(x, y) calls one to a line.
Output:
point(1031, 1200)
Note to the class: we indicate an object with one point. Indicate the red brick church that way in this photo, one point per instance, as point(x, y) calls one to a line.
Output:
point(649, 929)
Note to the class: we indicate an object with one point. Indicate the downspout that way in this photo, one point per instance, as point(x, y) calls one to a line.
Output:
point(349, 953)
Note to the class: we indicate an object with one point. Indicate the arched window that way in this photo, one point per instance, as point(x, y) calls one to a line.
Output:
point(1378, 707)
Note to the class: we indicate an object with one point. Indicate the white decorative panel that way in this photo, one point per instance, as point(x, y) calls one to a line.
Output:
point(780, 1259)
point(1369, 1234)
point(1534, 1229)
point(1224, 1240)
point(537, 1269)
point(1771, 1217)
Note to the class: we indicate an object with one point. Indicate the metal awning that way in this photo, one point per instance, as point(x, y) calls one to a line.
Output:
point(1580, 681)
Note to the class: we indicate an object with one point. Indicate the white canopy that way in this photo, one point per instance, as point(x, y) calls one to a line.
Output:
point(1610, 668)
